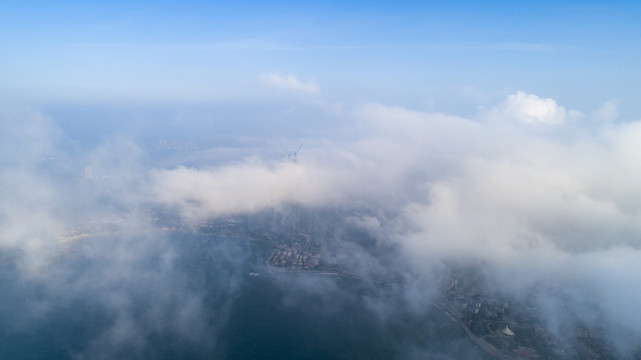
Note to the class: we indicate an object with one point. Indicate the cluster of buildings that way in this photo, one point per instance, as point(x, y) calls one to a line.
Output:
point(487, 308)
point(468, 298)
point(295, 257)
point(517, 332)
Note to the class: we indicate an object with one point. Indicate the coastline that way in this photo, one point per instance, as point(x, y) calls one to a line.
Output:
point(483, 345)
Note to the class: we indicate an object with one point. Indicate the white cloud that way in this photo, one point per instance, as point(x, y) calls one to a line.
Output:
point(531, 109)
point(533, 209)
point(288, 82)
point(370, 168)
point(248, 187)
point(460, 184)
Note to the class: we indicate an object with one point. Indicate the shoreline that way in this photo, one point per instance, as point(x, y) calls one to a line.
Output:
point(483, 345)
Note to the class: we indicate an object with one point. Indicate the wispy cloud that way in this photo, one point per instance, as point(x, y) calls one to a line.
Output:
point(609, 111)
point(251, 44)
point(288, 82)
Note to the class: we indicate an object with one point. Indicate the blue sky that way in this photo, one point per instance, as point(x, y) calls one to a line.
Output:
point(423, 55)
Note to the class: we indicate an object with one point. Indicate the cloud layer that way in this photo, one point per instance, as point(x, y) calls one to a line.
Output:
point(537, 208)
point(558, 210)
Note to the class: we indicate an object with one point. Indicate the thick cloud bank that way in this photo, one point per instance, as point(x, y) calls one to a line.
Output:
point(540, 199)
point(559, 207)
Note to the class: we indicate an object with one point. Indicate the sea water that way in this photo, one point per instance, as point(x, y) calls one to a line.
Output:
point(191, 296)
